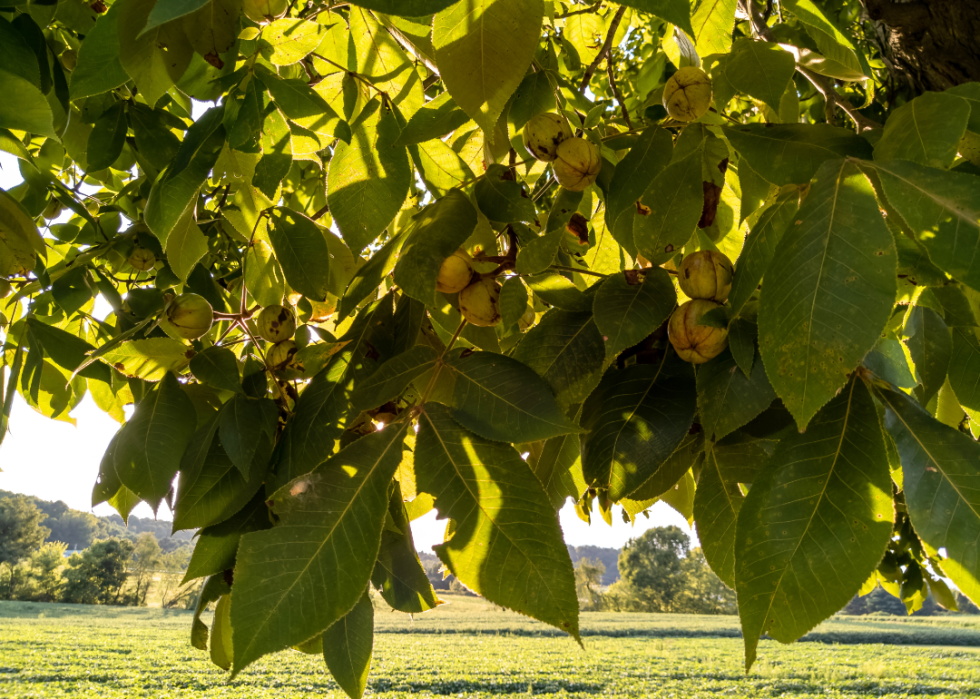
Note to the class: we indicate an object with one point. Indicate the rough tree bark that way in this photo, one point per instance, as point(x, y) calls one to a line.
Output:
point(927, 44)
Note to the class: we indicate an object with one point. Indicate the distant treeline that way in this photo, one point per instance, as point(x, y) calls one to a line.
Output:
point(79, 529)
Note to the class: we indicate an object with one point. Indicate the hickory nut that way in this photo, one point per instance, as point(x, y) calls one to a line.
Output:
point(687, 95)
point(544, 133)
point(479, 303)
point(696, 343)
point(706, 274)
point(455, 273)
point(577, 165)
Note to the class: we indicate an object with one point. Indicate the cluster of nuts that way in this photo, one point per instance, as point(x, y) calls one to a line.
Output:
point(277, 324)
point(576, 161)
point(478, 295)
point(706, 277)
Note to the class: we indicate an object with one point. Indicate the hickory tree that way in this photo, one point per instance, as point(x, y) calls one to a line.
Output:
point(367, 259)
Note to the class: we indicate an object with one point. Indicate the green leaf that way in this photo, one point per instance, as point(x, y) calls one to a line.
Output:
point(559, 291)
point(842, 60)
point(24, 107)
point(823, 307)
point(66, 350)
point(247, 429)
point(264, 279)
point(727, 398)
point(628, 307)
point(760, 69)
point(399, 574)
point(435, 119)
point(760, 246)
point(792, 153)
point(943, 211)
point(368, 277)
point(672, 204)
point(216, 489)
point(99, 68)
point(718, 499)
point(108, 135)
point(483, 48)
point(213, 28)
point(742, 336)
point(559, 468)
point(940, 467)
point(646, 159)
point(931, 347)
point(565, 349)
point(513, 301)
point(713, 23)
point(156, 59)
point(289, 40)
point(216, 546)
point(436, 233)
point(20, 240)
point(507, 544)
point(275, 141)
point(186, 246)
point(154, 139)
point(815, 523)
point(164, 12)
point(302, 251)
point(347, 647)
point(887, 361)
point(406, 8)
point(323, 551)
point(501, 399)
point(539, 253)
point(393, 377)
point(969, 93)
point(502, 198)
point(674, 11)
point(635, 420)
point(149, 447)
point(368, 179)
point(150, 360)
point(220, 645)
point(295, 98)
point(175, 192)
point(964, 367)
point(926, 130)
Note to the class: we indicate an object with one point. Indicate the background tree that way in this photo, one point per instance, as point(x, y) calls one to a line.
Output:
point(21, 533)
point(98, 574)
point(651, 565)
point(589, 574)
point(41, 580)
point(369, 259)
point(703, 592)
point(147, 559)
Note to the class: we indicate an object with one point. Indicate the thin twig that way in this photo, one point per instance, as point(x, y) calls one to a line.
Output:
point(586, 11)
point(589, 272)
point(822, 84)
point(615, 90)
point(606, 45)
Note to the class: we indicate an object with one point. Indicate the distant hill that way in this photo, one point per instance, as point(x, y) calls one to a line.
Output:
point(79, 529)
point(609, 558)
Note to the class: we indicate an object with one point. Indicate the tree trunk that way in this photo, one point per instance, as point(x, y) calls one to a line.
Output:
point(927, 44)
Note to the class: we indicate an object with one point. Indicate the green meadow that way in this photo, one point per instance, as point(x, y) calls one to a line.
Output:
point(468, 648)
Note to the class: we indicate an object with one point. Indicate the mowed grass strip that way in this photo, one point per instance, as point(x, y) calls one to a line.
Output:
point(469, 649)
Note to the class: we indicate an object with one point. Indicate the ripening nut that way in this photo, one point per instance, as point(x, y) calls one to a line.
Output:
point(695, 343)
point(142, 259)
point(276, 323)
point(262, 11)
point(687, 95)
point(69, 59)
point(706, 274)
point(5, 288)
point(544, 133)
point(577, 165)
point(455, 273)
point(281, 355)
point(190, 316)
point(53, 210)
point(479, 302)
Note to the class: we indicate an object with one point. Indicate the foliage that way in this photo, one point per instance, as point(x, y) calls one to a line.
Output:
point(20, 533)
point(350, 149)
point(588, 578)
point(97, 575)
point(662, 573)
point(39, 577)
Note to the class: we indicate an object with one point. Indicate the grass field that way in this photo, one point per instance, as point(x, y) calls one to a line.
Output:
point(469, 649)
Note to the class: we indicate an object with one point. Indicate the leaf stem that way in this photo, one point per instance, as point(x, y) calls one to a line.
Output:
point(440, 364)
point(563, 268)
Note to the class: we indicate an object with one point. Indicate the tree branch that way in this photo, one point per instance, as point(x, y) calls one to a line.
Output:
point(586, 11)
point(619, 95)
point(822, 84)
point(606, 46)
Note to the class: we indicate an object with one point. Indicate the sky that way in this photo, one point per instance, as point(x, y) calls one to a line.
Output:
point(55, 460)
